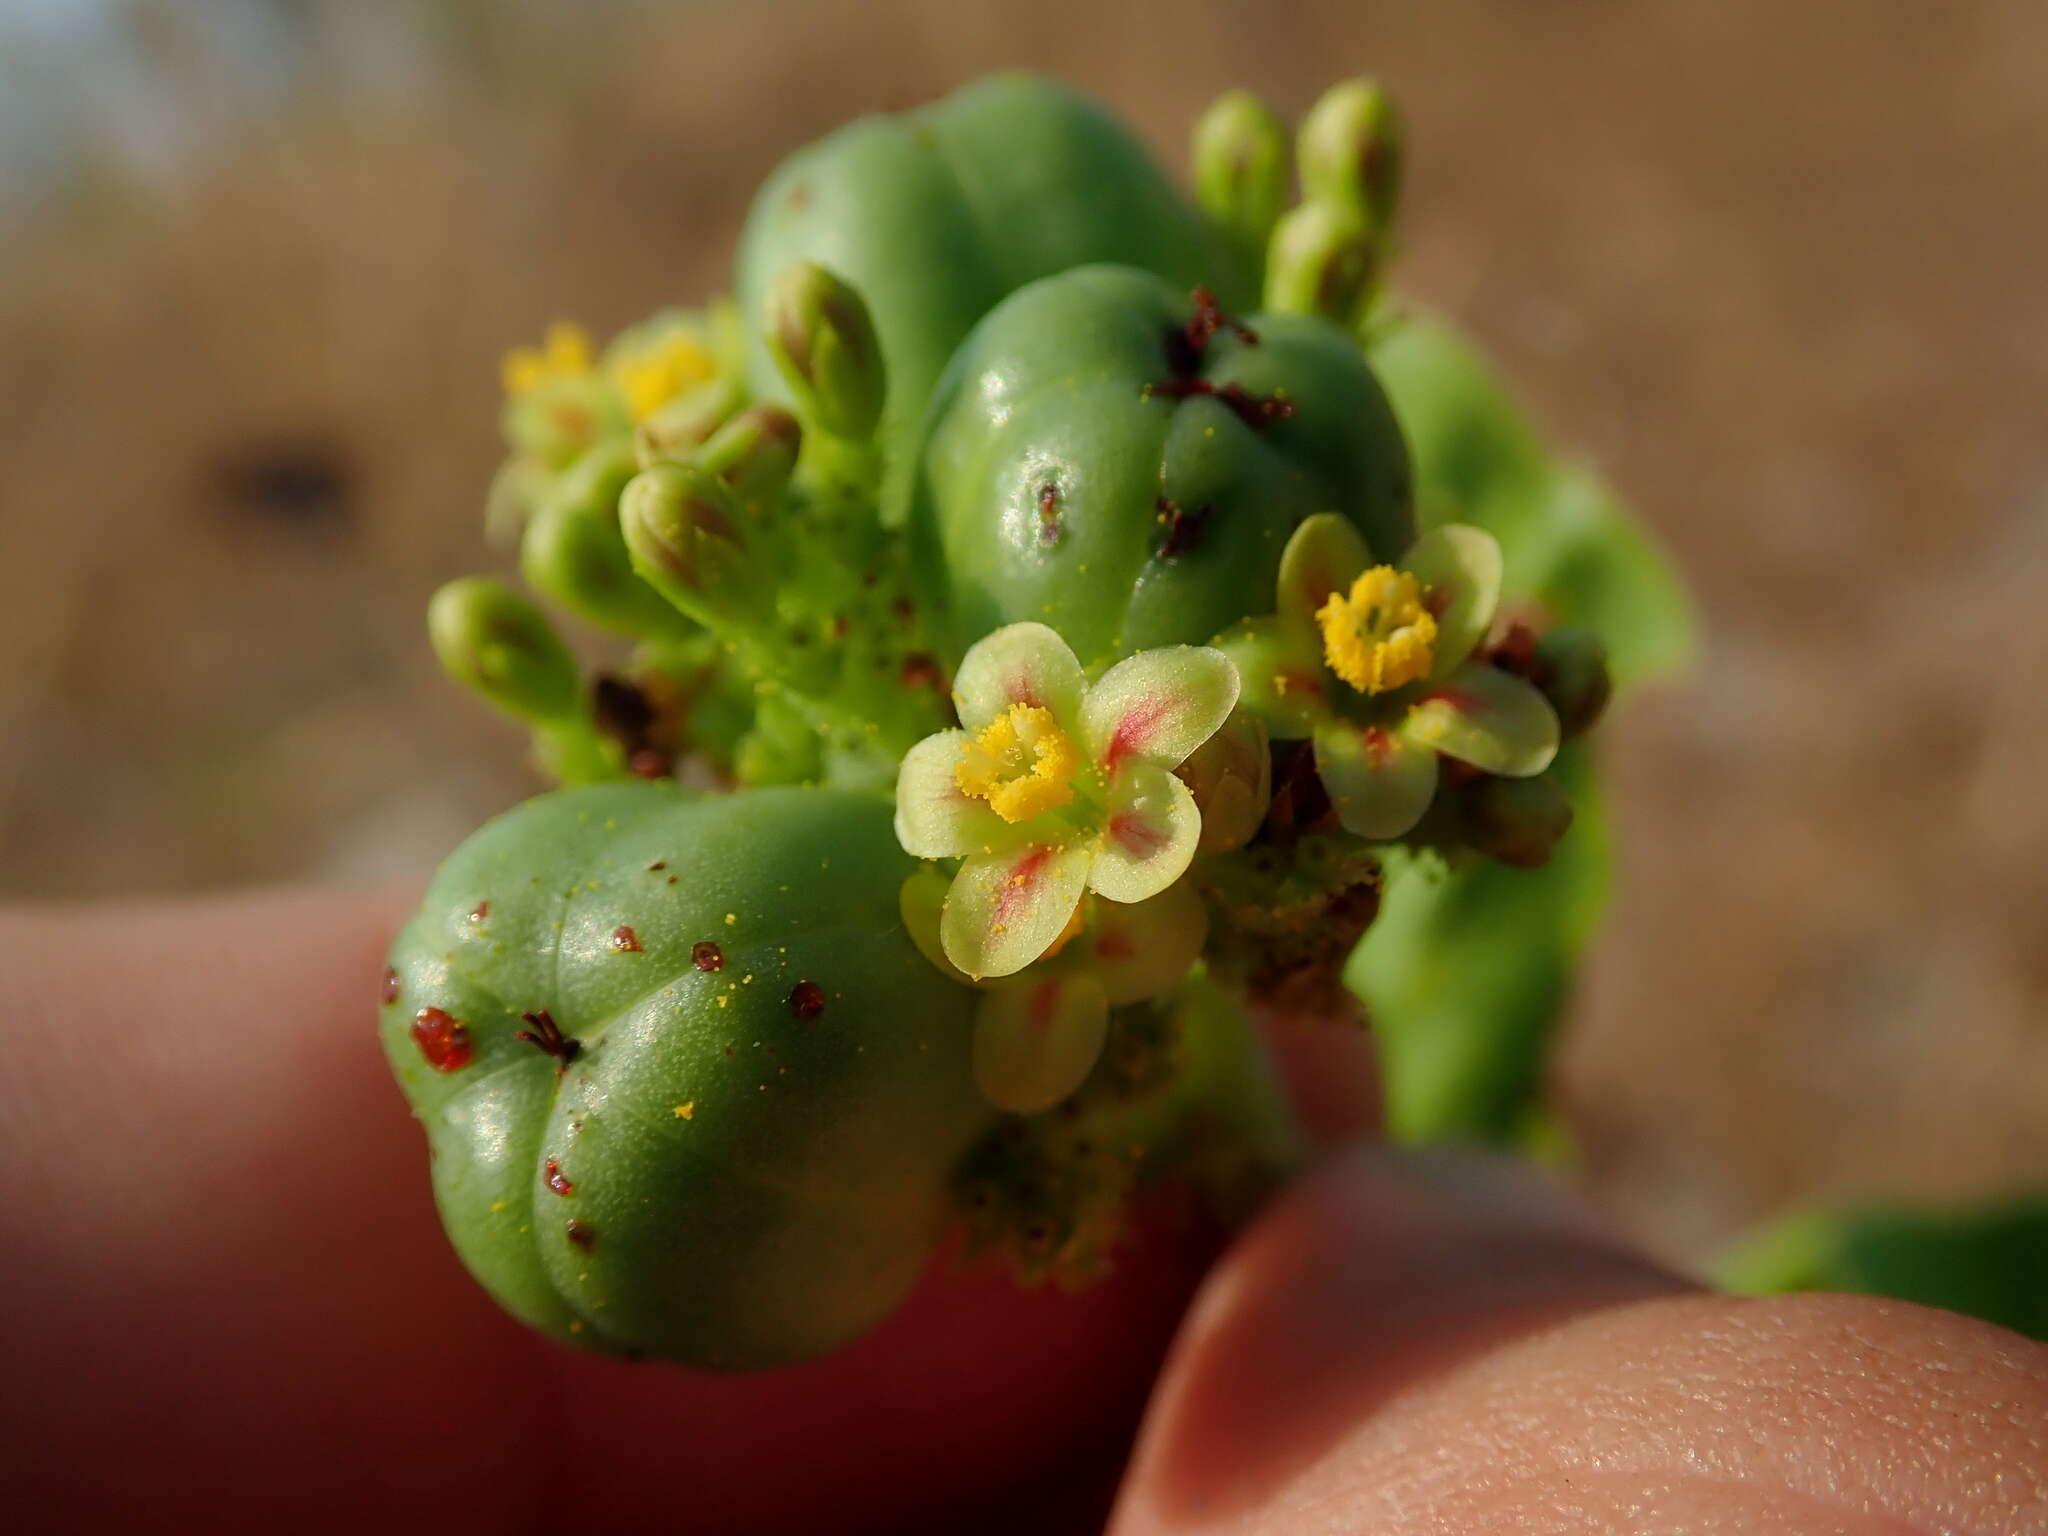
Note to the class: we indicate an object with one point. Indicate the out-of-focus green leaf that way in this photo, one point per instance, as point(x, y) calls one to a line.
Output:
point(1568, 542)
point(1464, 974)
point(1989, 1262)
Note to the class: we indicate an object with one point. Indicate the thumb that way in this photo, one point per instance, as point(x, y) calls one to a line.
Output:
point(1448, 1344)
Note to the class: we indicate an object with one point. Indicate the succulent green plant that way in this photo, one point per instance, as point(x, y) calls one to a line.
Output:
point(1021, 610)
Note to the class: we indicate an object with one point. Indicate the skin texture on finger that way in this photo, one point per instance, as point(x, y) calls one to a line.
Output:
point(230, 1292)
point(1387, 1355)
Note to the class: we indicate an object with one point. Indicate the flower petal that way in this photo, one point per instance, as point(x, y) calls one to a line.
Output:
point(1281, 679)
point(1461, 567)
point(1488, 718)
point(1231, 775)
point(1144, 949)
point(934, 818)
point(1379, 783)
point(1018, 664)
point(1325, 555)
point(921, 903)
point(1148, 837)
point(1006, 909)
point(1157, 706)
point(1036, 1044)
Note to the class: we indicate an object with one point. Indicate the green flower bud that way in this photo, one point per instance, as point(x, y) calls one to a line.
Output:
point(678, 429)
point(1517, 821)
point(1240, 164)
point(824, 343)
point(688, 539)
point(690, 1090)
point(754, 454)
point(1323, 260)
point(1571, 669)
point(496, 643)
point(1350, 151)
point(572, 550)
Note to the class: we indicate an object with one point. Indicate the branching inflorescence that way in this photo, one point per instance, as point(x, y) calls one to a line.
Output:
point(1035, 666)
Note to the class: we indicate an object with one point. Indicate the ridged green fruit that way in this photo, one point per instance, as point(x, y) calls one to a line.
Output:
point(689, 1090)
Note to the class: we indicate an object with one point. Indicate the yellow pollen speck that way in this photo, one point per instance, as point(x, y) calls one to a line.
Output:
point(564, 354)
point(731, 918)
point(497, 1206)
point(575, 1325)
point(1378, 635)
point(1022, 764)
point(687, 1111)
point(724, 998)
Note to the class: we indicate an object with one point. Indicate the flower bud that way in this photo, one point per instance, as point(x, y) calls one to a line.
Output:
point(1350, 152)
point(825, 345)
point(1517, 821)
point(1571, 669)
point(687, 540)
point(1240, 162)
point(1322, 261)
point(679, 428)
point(1231, 778)
point(493, 641)
point(754, 454)
point(572, 552)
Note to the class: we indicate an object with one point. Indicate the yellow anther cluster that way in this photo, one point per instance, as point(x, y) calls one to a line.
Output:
point(1022, 764)
point(1378, 635)
point(650, 376)
point(564, 354)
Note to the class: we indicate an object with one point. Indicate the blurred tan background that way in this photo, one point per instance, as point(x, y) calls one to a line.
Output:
point(1782, 270)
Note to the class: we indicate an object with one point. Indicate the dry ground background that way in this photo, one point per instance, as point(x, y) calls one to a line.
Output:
point(1781, 269)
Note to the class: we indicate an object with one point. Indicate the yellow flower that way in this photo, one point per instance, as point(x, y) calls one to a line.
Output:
point(1022, 764)
point(1378, 635)
point(647, 377)
point(564, 354)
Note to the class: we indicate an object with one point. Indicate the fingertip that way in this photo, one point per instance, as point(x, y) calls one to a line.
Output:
point(1374, 1276)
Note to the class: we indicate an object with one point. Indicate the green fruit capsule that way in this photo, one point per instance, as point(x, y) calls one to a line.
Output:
point(690, 1091)
point(1124, 463)
point(934, 215)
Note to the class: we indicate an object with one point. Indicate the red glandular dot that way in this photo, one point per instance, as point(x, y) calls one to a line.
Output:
point(558, 1181)
point(581, 1233)
point(807, 1000)
point(625, 940)
point(390, 985)
point(483, 911)
point(442, 1040)
point(707, 956)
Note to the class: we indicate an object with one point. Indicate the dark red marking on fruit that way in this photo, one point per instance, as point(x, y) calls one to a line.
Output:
point(558, 1181)
point(390, 992)
point(1255, 411)
point(625, 941)
point(1049, 529)
point(581, 1233)
point(707, 956)
point(443, 1040)
point(920, 669)
point(904, 610)
point(1209, 318)
point(1133, 730)
point(1184, 527)
point(658, 864)
point(546, 1036)
point(671, 879)
point(483, 911)
point(1379, 746)
point(806, 1000)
